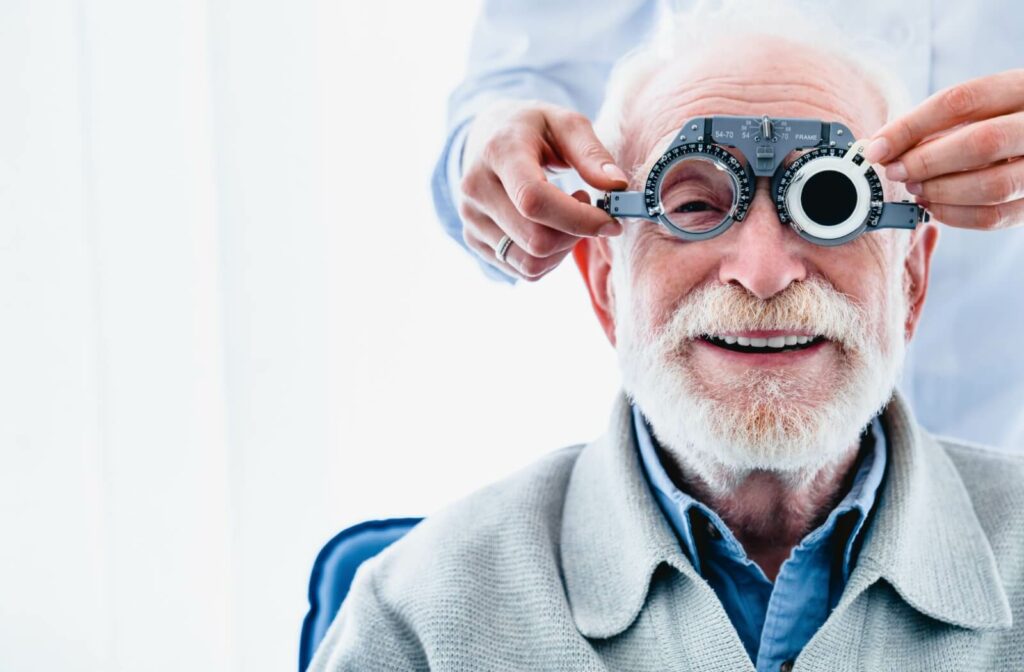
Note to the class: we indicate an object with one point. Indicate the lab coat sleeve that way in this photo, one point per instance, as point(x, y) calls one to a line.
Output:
point(556, 51)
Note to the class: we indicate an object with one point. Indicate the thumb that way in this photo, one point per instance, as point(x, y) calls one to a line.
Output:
point(575, 141)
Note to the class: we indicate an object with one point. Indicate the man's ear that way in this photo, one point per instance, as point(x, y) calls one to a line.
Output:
point(594, 259)
point(917, 268)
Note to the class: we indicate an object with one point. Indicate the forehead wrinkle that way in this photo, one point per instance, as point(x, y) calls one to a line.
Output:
point(745, 86)
point(772, 93)
point(821, 71)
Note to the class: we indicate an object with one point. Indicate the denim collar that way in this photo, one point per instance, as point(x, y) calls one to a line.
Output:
point(677, 504)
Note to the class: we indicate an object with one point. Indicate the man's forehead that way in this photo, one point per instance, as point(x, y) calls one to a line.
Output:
point(671, 98)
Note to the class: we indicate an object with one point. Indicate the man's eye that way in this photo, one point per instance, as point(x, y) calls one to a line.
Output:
point(694, 206)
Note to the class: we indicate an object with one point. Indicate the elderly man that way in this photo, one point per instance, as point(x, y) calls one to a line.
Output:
point(761, 499)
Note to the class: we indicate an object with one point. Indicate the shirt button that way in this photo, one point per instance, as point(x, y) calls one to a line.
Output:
point(713, 531)
point(786, 666)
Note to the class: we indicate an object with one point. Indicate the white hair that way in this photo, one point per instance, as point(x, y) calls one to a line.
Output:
point(689, 35)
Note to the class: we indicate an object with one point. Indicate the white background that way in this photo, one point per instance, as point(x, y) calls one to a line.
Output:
point(231, 325)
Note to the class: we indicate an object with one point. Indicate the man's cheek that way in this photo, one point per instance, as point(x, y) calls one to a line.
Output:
point(660, 298)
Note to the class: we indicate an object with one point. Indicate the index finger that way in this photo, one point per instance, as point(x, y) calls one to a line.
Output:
point(980, 98)
point(540, 201)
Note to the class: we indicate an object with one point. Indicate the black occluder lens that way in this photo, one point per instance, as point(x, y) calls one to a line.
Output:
point(829, 197)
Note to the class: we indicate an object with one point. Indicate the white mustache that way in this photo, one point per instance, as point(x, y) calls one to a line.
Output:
point(811, 305)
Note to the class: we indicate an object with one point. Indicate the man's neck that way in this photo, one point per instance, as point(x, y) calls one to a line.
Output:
point(767, 513)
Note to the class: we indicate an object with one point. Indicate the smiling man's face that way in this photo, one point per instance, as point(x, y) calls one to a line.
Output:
point(670, 305)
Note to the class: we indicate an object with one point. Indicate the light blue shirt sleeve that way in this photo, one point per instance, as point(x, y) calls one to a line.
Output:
point(557, 52)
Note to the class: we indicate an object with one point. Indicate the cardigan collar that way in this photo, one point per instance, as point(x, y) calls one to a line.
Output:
point(925, 539)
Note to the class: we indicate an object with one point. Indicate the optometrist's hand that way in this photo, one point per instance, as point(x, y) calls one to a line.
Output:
point(959, 152)
point(506, 191)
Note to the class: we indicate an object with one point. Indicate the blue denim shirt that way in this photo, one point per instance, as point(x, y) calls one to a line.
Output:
point(774, 622)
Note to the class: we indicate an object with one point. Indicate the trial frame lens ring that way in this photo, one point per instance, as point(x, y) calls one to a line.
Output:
point(702, 189)
point(824, 172)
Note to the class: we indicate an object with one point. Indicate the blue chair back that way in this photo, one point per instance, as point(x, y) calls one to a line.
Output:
point(333, 571)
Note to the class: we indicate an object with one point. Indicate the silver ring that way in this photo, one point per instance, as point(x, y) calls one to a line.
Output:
point(501, 251)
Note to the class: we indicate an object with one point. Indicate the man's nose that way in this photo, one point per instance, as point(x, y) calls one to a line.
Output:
point(764, 255)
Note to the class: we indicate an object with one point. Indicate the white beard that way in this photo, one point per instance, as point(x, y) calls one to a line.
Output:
point(767, 419)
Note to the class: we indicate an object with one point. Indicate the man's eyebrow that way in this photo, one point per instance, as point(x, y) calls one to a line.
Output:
point(794, 155)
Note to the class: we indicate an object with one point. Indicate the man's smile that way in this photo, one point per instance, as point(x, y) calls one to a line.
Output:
point(769, 342)
point(763, 348)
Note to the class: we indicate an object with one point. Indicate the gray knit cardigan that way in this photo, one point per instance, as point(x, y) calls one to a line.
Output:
point(570, 565)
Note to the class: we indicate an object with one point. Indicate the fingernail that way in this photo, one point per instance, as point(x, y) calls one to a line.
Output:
point(614, 172)
point(877, 150)
point(610, 229)
point(896, 172)
point(914, 188)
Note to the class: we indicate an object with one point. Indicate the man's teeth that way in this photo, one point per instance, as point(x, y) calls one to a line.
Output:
point(773, 342)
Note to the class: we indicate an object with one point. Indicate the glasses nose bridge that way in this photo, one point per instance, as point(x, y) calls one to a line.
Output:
point(762, 204)
point(764, 186)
